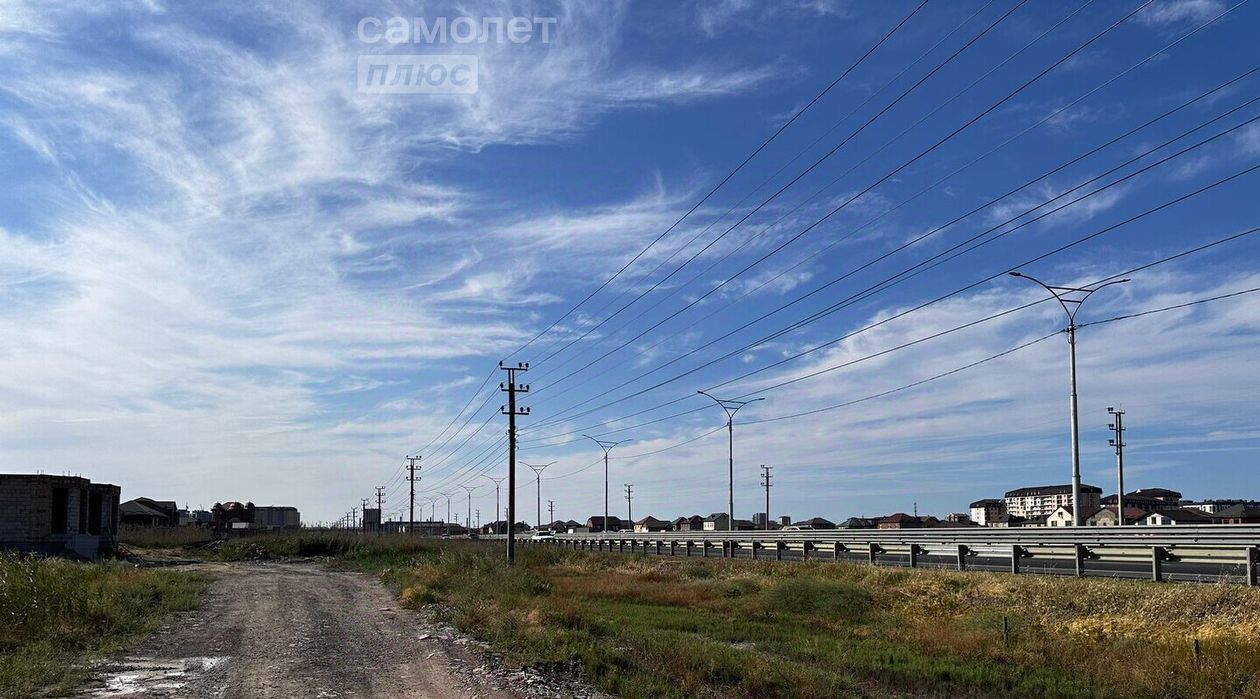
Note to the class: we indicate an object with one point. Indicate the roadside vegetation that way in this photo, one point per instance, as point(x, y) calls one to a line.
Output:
point(55, 615)
point(646, 627)
point(164, 537)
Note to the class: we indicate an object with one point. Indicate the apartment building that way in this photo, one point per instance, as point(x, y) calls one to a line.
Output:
point(1043, 500)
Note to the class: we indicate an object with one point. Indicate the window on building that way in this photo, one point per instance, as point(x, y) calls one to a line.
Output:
point(60, 502)
point(94, 513)
point(83, 511)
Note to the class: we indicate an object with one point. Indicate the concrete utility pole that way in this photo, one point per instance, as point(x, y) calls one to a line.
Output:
point(496, 482)
point(730, 407)
point(1118, 442)
point(538, 469)
point(607, 447)
point(446, 523)
point(478, 512)
point(380, 498)
point(364, 510)
point(468, 518)
point(1064, 295)
point(413, 478)
point(629, 513)
point(765, 483)
point(551, 512)
point(512, 388)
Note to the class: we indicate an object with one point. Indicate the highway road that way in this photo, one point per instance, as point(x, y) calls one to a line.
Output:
point(1216, 553)
point(1174, 572)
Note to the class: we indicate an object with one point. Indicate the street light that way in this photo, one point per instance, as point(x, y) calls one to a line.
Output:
point(538, 469)
point(730, 407)
point(446, 524)
point(496, 482)
point(468, 518)
point(1063, 294)
point(607, 447)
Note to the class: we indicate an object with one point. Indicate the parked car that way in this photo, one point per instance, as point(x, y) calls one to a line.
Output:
point(543, 536)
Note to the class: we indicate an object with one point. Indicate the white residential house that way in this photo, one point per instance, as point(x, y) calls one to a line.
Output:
point(1174, 517)
point(1062, 516)
point(717, 522)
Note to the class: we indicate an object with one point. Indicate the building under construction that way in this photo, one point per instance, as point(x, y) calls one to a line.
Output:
point(58, 515)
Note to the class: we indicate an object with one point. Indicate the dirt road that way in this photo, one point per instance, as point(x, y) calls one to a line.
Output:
point(301, 630)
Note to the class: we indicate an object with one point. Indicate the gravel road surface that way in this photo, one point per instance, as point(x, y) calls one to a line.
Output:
point(303, 630)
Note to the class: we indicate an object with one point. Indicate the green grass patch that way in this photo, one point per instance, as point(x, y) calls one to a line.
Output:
point(56, 614)
point(659, 627)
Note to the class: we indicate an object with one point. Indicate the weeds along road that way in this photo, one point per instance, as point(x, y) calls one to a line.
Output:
point(294, 630)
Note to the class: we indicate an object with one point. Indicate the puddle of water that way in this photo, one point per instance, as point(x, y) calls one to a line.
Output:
point(136, 676)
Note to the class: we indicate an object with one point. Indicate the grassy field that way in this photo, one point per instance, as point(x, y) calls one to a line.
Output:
point(659, 627)
point(55, 615)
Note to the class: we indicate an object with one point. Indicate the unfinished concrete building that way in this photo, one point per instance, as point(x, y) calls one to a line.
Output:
point(58, 515)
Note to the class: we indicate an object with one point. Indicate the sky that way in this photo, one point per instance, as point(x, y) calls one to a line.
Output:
point(230, 271)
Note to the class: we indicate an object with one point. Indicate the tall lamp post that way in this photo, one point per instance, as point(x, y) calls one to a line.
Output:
point(497, 482)
point(538, 469)
point(1071, 299)
point(468, 517)
point(730, 407)
point(607, 447)
point(447, 522)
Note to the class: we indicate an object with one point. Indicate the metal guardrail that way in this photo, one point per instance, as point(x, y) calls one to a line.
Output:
point(1138, 547)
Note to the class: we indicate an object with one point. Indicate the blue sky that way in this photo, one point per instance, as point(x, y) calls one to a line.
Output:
point(228, 274)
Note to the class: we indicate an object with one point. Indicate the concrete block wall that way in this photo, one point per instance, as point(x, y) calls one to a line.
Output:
point(26, 515)
point(15, 507)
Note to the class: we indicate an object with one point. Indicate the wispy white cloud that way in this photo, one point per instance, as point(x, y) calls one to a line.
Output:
point(232, 236)
point(1171, 12)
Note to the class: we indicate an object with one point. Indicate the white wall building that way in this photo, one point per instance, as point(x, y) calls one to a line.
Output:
point(987, 510)
point(1045, 499)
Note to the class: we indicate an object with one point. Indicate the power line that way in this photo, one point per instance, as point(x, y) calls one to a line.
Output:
point(867, 357)
point(552, 368)
point(951, 372)
point(914, 241)
point(892, 280)
point(728, 177)
point(870, 187)
point(797, 207)
point(793, 181)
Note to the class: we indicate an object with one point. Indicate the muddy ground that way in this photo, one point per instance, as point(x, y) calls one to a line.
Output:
point(303, 630)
